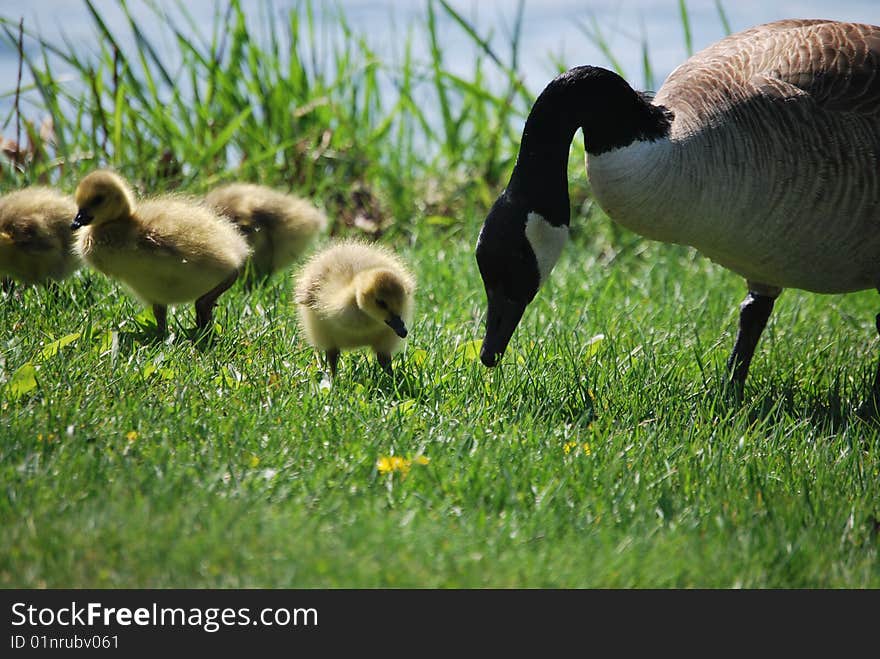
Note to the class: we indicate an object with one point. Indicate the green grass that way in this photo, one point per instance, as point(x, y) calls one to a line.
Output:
point(130, 463)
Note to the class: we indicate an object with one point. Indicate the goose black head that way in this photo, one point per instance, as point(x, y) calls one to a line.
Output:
point(527, 227)
point(516, 250)
point(510, 275)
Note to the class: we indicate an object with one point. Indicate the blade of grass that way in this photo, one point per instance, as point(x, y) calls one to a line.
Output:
point(686, 26)
point(722, 16)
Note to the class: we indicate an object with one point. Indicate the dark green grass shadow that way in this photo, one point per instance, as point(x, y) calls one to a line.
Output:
point(832, 404)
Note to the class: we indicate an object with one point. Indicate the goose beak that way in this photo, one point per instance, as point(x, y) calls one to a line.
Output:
point(396, 323)
point(502, 318)
point(82, 219)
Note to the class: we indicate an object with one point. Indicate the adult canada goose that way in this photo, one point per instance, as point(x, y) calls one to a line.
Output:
point(278, 226)
point(35, 235)
point(352, 294)
point(166, 250)
point(761, 152)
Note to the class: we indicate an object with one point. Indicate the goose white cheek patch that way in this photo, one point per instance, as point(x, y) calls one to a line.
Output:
point(547, 242)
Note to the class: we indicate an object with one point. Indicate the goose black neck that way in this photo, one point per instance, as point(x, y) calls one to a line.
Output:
point(611, 114)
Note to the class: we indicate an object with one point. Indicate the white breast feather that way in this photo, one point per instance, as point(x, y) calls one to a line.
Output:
point(546, 241)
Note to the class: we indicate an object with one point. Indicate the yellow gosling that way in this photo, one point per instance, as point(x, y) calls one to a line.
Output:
point(352, 294)
point(35, 236)
point(278, 226)
point(166, 250)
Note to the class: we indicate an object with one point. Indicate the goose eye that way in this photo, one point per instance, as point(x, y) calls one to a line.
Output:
point(381, 304)
point(97, 200)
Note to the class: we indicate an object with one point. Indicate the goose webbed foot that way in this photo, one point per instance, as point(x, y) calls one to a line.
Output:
point(754, 312)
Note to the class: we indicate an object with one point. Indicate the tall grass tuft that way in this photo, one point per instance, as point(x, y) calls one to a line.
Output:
point(294, 102)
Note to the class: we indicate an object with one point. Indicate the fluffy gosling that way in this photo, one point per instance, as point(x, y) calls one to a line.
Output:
point(279, 227)
point(352, 294)
point(35, 235)
point(166, 250)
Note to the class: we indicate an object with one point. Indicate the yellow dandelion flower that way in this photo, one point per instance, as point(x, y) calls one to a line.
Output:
point(389, 464)
point(566, 448)
point(587, 448)
point(131, 435)
point(400, 464)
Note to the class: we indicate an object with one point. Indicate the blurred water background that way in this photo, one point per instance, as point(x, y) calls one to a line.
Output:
point(553, 31)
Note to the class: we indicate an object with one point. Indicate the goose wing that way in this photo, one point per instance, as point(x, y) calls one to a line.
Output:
point(833, 64)
point(836, 64)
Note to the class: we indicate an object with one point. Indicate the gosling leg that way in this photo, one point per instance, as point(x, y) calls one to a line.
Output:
point(332, 360)
point(384, 360)
point(753, 314)
point(53, 288)
point(160, 311)
point(205, 304)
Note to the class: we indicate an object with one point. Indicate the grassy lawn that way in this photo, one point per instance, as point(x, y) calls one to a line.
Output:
point(601, 453)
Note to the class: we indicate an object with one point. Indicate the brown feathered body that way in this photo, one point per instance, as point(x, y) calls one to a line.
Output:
point(772, 164)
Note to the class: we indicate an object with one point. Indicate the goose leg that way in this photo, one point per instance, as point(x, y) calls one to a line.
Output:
point(753, 314)
point(384, 360)
point(160, 311)
point(870, 408)
point(205, 304)
point(332, 360)
point(875, 388)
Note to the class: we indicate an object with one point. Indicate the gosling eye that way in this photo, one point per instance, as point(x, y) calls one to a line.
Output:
point(381, 304)
point(97, 200)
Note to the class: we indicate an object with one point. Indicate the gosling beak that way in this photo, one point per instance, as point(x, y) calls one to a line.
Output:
point(82, 219)
point(396, 323)
point(502, 318)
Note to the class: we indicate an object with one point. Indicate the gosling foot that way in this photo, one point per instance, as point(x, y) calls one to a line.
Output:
point(332, 356)
point(160, 311)
point(384, 360)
